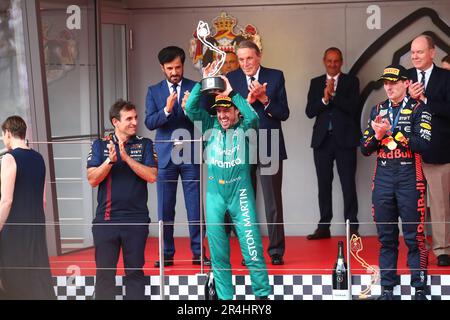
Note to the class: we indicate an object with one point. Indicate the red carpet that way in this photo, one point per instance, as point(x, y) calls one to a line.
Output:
point(302, 257)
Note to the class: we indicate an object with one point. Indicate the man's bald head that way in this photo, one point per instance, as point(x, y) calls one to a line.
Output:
point(422, 52)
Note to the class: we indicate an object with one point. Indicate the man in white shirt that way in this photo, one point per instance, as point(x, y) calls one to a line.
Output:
point(333, 99)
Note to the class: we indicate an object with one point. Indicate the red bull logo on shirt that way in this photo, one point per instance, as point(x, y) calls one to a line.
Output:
point(395, 154)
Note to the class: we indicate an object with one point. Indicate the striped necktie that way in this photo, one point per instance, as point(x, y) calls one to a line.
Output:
point(422, 81)
point(174, 88)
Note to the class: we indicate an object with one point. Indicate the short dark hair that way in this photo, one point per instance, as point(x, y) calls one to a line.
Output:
point(16, 126)
point(248, 44)
point(333, 49)
point(119, 105)
point(446, 59)
point(170, 53)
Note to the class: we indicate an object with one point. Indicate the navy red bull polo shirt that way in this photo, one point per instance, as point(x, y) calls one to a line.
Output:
point(122, 195)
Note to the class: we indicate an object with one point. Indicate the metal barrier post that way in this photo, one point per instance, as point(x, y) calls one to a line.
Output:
point(161, 260)
point(201, 205)
point(349, 272)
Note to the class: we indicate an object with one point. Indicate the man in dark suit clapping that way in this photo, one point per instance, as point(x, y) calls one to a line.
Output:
point(333, 99)
point(431, 84)
point(164, 114)
point(264, 89)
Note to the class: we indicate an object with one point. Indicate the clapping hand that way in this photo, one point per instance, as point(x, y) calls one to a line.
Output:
point(328, 92)
point(170, 102)
point(251, 97)
point(112, 151)
point(380, 126)
point(185, 99)
point(123, 152)
point(257, 91)
point(416, 91)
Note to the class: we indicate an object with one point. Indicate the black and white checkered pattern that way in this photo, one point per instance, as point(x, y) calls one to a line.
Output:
point(285, 287)
point(74, 288)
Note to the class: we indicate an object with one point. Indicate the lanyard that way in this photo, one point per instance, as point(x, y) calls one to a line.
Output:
point(391, 113)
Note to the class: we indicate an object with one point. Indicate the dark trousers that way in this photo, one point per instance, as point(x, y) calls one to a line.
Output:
point(24, 265)
point(167, 197)
point(273, 203)
point(324, 158)
point(397, 194)
point(108, 240)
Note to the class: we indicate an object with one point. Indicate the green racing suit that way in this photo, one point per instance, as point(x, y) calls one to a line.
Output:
point(229, 188)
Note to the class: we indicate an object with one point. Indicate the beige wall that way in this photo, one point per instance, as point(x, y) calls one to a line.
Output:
point(294, 38)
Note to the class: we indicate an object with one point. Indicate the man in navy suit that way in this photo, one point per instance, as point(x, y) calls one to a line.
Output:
point(175, 158)
point(431, 84)
point(268, 98)
point(333, 99)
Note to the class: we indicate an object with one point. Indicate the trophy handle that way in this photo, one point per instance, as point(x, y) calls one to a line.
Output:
point(203, 32)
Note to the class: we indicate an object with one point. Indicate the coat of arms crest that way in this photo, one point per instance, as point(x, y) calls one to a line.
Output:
point(226, 37)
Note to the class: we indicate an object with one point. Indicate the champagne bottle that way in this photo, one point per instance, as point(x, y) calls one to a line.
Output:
point(210, 287)
point(340, 274)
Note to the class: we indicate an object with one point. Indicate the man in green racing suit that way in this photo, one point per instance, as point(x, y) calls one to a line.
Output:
point(229, 186)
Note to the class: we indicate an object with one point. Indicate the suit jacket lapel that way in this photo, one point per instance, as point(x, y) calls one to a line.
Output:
point(164, 91)
point(340, 83)
point(323, 83)
point(243, 82)
point(262, 76)
point(182, 90)
point(414, 75)
point(433, 82)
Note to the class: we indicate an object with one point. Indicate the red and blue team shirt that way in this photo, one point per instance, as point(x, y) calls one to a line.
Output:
point(122, 195)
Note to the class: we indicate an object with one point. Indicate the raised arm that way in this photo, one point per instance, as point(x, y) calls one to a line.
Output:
point(369, 142)
point(194, 112)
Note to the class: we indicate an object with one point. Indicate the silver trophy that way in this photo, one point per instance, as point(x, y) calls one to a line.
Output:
point(211, 83)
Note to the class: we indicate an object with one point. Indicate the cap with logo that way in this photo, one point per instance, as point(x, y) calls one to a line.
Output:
point(223, 101)
point(394, 72)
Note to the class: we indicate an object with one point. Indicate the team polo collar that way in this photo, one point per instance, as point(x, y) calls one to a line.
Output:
point(115, 139)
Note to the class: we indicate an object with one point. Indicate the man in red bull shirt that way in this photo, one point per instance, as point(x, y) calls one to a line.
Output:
point(399, 130)
point(120, 165)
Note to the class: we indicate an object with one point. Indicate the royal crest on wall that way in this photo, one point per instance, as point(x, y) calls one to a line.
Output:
point(226, 36)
